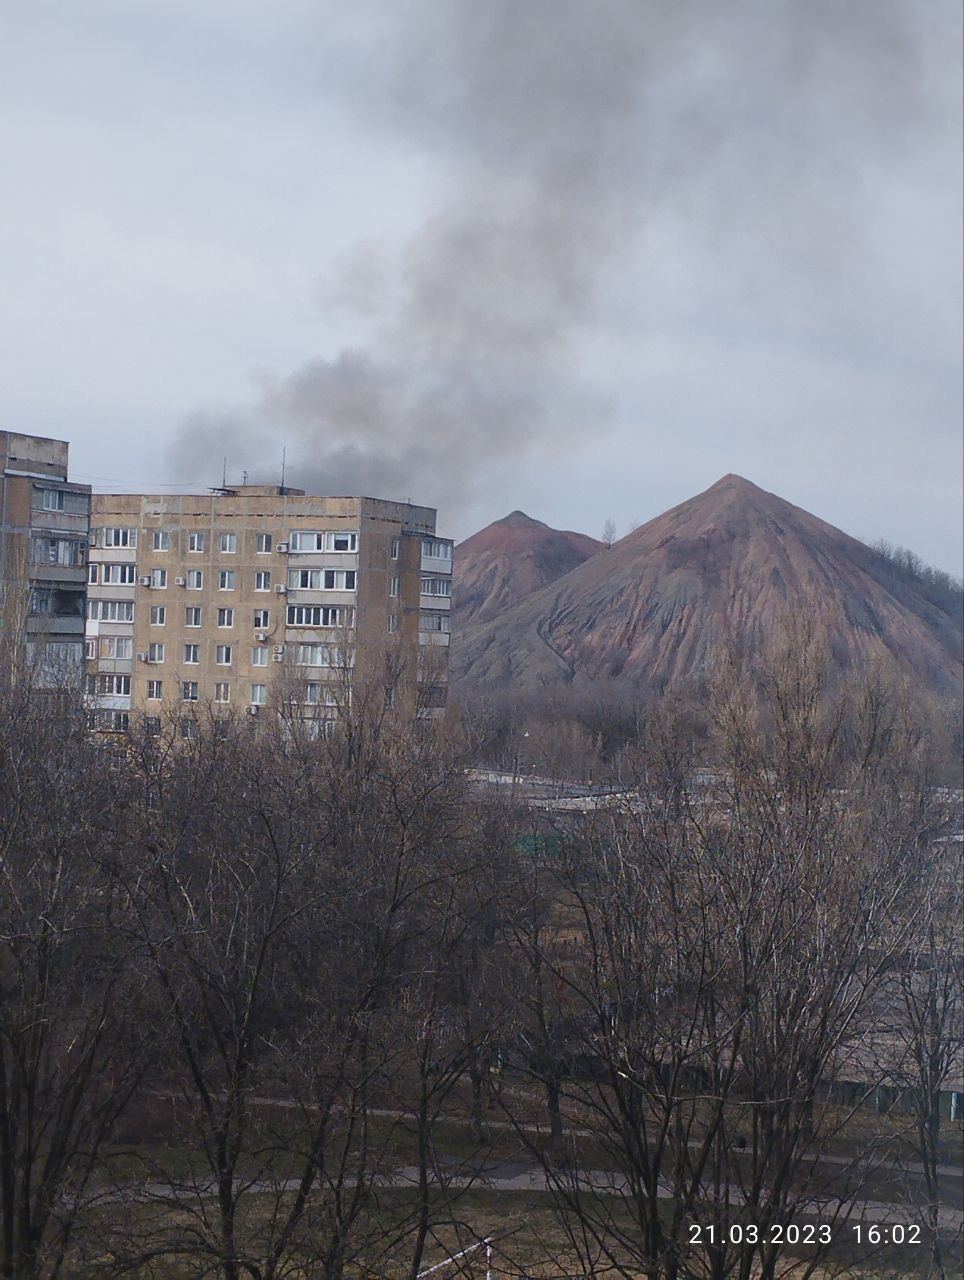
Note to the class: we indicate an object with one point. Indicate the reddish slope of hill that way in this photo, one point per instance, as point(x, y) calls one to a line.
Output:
point(722, 567)
point(510, 559)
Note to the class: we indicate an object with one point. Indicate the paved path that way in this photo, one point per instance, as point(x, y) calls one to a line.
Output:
point(533, 1180)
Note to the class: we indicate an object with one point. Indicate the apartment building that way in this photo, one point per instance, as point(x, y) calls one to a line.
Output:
point(260, 595)
point(44, 525)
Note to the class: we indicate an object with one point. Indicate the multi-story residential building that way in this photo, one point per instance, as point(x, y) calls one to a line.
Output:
point(260, 595)
point(44, 525)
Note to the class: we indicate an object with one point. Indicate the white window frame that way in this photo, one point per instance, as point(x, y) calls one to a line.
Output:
point(118, 536)
point(192, 655)
point(158, 615)
point(228, 544)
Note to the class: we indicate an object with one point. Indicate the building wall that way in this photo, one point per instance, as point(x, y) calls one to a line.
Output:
point(240, 655)
point(44, 527)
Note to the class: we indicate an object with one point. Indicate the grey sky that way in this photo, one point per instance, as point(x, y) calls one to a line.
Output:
point(578, 258)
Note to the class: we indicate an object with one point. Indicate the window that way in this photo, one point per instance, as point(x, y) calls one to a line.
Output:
point(222, 655)
point(155, 652)
point(118, 537)
point(225, 617)
point(195, 541)
point(189, 691)
point(90, 648)
point(313, 655)
point(110, 610)
point(320, 615)
point(195, 579)
point(305, 541)
point(313, 693)
point(92, 570)
point(192, 654)
point(161, 540)
point(392, 623)
point(158, 578)
point(226, 580)
point(158, 615)
point(222, 691)
point(113, 686)
point(396, 547)
point(69, 552)
point(436, 586)
point(433, 621)
point(117, 575)
point(52, 499)
point(115, 647)
point(189, 726)
point(262, 619)
point(435, 550)
point(259, 695)
point(393, 587)
point(262, 580)
point(322, 579)
point(155, 690)
point(259, 656)
point(192, 615)
point(229, 543)
point(331, 540)
point(263, 543)
point(112, 721)
point(341, 541)
point(152, 726)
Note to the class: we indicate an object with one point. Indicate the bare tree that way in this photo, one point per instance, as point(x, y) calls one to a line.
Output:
point(72, 1030)
point(734, 927)
point(608, 533)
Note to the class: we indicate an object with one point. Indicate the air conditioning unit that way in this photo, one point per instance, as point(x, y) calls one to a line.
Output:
point(277, 657)
point(145, 582)
point(143, 657)
point(179, 582)
point(282, 547)
point(281, 589)
point(279, 648)
point(253, 711)
point(261, 636)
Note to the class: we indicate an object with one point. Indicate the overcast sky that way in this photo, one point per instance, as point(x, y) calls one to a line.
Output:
point(581, 257)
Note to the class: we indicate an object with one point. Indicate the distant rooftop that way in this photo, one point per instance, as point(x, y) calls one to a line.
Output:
point(261, 490)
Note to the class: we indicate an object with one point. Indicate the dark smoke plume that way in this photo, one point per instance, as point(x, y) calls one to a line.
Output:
point(565, 125)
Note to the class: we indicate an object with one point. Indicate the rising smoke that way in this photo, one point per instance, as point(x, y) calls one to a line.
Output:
point(565, 126)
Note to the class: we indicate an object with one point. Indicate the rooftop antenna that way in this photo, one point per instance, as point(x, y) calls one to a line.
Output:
point(244, 477)
point(284, 458)
point(224, 473)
